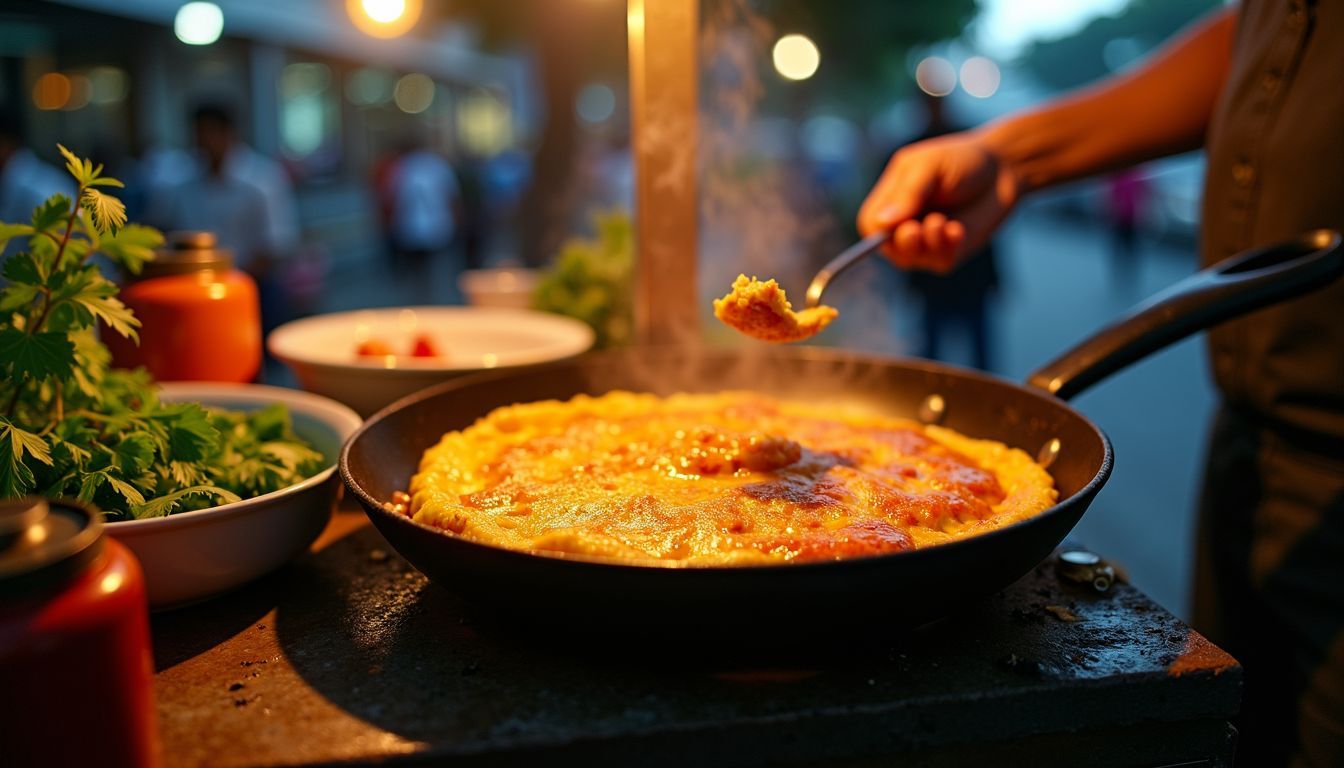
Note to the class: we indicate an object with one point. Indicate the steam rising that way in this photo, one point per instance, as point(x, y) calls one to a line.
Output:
point(760, 216)
point(843, 379)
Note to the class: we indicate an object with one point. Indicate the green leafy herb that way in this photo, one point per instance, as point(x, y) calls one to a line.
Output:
point(72, 426)
point(591, 280)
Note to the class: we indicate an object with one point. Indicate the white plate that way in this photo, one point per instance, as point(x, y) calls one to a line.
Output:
point(321, 350)
point(191, 556)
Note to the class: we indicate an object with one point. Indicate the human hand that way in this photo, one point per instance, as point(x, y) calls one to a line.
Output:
point(942, 198)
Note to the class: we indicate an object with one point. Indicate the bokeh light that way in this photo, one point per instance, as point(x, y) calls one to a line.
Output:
point(935, 76)
point(980, 77)
point(596, 103)
point(304, 77)
point(796, 57)
point(51, 91)
point(110, 84)
point(414, 93)
point(368, 86)
point(303, 110)
point(198, 23)
point(383, 18)
point(484, 123)
point(384, 11)
point(81, 93)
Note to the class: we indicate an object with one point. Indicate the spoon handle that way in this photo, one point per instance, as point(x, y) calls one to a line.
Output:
point(842, 262)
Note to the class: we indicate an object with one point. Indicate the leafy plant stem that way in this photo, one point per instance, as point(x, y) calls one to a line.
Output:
point(57, 407)
point(70, 224)
point(35, 326)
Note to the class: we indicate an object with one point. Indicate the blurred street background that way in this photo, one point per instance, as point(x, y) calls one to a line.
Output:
point(363, 153)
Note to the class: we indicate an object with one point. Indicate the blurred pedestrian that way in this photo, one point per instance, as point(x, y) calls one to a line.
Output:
point(380, 183)
point(1258, 86)
point(472, 226)
point(243, 197)
point(426, 206)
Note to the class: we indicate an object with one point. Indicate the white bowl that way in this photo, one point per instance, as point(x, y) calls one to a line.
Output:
point(504, 287)
point(190, 556)
point(321, 350)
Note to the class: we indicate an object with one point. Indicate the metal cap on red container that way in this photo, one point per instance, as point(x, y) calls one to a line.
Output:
point(186, 252)
point(44, 543)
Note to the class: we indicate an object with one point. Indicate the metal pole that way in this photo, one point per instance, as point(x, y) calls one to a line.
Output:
point(664, 108)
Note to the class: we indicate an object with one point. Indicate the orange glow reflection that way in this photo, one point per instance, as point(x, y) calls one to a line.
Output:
point(51, 91)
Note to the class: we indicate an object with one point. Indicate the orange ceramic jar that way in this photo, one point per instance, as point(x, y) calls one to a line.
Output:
point(200, 319)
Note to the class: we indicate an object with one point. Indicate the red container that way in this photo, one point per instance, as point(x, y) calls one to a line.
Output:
point(200, 319)
point(75, 665)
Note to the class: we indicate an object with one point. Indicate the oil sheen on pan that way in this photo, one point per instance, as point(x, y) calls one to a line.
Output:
point(732, 478)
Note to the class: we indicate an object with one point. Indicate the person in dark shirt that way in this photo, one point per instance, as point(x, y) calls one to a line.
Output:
point(1259, 87)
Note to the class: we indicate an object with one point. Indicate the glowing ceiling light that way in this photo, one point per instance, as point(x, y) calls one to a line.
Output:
point(383, 18)
point(384, 11)
point(936, 76)
point(979, 77)
point(796, 57)
point(198, 23)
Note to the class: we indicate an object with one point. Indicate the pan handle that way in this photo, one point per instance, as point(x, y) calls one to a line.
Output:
point(1235, 286)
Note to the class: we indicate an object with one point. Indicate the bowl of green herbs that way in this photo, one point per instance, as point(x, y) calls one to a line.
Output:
point(210, 485)
point(276, 449)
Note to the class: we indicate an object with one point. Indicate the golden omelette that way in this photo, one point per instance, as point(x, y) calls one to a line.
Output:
point(762, 311)
point(732, 478)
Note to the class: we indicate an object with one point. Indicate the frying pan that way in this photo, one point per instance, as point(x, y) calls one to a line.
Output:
point(903, 588)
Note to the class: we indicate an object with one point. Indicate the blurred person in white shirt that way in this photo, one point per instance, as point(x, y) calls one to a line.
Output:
point(245, 198)
point(425, 203)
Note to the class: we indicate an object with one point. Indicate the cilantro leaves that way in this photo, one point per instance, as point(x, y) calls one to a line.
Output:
point(72, 426)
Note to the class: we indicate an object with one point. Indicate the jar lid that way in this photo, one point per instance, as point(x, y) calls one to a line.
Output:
point(44, 543)
point(186, 252)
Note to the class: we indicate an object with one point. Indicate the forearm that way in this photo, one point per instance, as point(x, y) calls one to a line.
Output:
point(1162, 108)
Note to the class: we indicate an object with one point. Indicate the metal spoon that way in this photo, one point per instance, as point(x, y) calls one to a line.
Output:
point(842, 262)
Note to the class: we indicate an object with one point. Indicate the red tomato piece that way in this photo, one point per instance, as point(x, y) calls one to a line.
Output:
point(424, 347)
point(373, 348)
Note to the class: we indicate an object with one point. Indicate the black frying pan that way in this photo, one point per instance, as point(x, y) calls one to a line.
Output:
point(906, 587)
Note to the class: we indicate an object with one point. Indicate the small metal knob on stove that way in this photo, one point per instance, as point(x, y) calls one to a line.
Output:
point(1082, 567)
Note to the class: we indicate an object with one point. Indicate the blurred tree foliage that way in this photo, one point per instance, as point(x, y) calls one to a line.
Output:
point(574, 42)
point(1079, 58)
point(865, 44)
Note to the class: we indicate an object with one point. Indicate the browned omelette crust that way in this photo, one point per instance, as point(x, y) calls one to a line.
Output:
point(717, 479)
point(761, 310)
